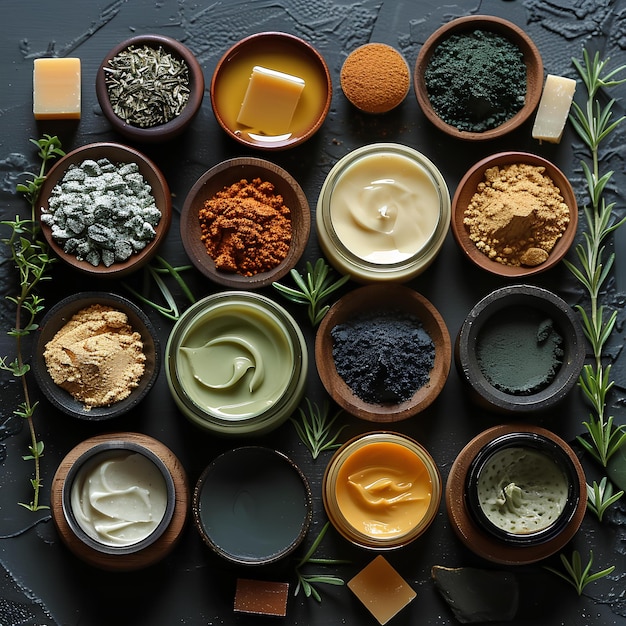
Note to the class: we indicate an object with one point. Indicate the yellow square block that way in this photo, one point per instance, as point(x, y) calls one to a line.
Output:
point(270, 101)
point(56, 89)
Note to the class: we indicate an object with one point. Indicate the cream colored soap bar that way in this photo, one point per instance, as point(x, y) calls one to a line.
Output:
point(554, 107)
point(56, 89)
point(270, 101)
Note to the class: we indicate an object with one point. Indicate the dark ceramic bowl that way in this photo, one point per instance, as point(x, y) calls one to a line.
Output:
point(284, 53)
point(223, 175)
point(508, 30)
point(59, 315)
point(116, 154)
point(556, 456)
point(161, 132)
point(392, 297)
point(252, 506)
point(466, 189)
point(519, 300)
point(133, 556)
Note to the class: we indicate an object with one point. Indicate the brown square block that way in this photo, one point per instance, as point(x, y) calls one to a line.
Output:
point(261, 597)
point(381, 589)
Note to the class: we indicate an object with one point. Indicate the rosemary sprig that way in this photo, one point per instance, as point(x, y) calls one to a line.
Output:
point(153, 272)
point(594, 124)
point(315, 428)
point(30, 256)
point(314, 288)
point(575, 574)
point(600, 497)
point(307, 582)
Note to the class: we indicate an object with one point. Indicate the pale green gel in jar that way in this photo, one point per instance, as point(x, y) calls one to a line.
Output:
point(236, 363)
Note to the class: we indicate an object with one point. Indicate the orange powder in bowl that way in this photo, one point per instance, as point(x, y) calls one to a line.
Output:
point(375, 78)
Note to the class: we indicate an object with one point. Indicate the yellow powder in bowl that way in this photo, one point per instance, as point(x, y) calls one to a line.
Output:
point(375, 78)
point(97, 357)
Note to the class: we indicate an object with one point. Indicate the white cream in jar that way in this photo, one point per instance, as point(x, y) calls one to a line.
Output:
point(385, 207)
point(521, 490)
point(119, 498)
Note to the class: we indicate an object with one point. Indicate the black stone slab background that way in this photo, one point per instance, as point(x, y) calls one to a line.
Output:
point(42, 583)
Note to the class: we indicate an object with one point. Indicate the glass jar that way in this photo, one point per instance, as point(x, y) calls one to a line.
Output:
point(381, 490)
point(383, 213)
point(236, 363)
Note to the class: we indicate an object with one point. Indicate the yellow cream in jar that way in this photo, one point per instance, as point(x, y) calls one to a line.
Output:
point(383, 490)
point(385, 208)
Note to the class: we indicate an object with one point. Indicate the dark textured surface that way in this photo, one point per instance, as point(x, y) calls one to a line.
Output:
point(41, 582)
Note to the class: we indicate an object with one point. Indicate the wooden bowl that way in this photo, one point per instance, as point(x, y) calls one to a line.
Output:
point(475, 538)
point(160, 132)
point(284, 53)
point(116, 154)
point(121, 560)
point(468, 186)
point(391, 297)
point(532, 59)
point(223, 175)
point(59, 315)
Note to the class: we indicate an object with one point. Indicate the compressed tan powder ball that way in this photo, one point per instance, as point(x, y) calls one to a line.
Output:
point(375, 78)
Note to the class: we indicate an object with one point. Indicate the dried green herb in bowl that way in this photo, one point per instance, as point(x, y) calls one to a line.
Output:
point(150, 87)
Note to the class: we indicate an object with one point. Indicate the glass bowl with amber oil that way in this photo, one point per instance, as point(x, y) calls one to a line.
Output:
point(271, 91)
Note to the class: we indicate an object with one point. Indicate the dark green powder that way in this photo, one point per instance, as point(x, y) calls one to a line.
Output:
point(519, 351)
point(384, 357)
point(476, 80)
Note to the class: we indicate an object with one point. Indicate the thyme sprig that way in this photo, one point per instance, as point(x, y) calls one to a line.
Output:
point(307, 582)
point(577, 575)
point(315, 428)
point(153, 273)
point(600, 497)
point(30, 255)
point(314, 288)
point(594, 123)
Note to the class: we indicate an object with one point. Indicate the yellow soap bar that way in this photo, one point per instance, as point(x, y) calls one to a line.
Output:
point(554, 107)
point(56, 89)
point(270, 101)
point(381, 589)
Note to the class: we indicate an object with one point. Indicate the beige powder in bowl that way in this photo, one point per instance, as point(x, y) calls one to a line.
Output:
point(375, 78)
point(97, 357)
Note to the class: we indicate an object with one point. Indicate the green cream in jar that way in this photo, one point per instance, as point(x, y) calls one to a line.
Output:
point(521, 490)
point(236, 363)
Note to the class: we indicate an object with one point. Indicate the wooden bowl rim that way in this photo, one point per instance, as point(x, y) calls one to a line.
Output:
point(534, 71)
point(116, 153)
point(475, 175)
point(384, 297)
point(226, 173)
